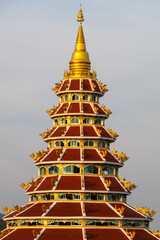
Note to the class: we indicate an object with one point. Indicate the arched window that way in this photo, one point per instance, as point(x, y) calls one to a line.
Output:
point(76, 196)
point(74, 120)
point(86, 121)
point(59, 144)
point(50, 144)
point(69, 196)
point(87, 196)
point(75, 97)
point(110, 170)
point(61, 98)
point(55, 121)
point(85, 97)
point(118, 197)
point(61, 196)
point(93, 98)
point(88, 143)
point(66, 97)
point(34, 198)
point(93, 196)
point(104, 169)
point(124, 198)
point(110, 197)
point(71, 168)
point(97, 121)
point(73, 144)
point(116, 171)
point(100, 197)
point(101, 144)
point(63, 121)
point(47, 197)
point(42, 171)
point(12, 223)
point(91, 168)
point(53, 170)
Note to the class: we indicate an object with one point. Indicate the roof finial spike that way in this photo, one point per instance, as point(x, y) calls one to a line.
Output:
point(80, 17)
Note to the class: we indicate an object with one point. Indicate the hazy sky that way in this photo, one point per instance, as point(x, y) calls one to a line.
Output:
point(37, 39)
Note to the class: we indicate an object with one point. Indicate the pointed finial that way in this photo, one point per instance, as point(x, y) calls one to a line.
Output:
point(80, 17)
point(79, 64)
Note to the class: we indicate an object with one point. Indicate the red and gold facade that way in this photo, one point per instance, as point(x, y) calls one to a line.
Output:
point(78, 193)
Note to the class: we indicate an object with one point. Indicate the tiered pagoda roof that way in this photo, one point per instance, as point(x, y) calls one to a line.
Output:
point(78, 193)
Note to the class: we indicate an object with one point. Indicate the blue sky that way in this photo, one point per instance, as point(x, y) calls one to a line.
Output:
point(37, 40)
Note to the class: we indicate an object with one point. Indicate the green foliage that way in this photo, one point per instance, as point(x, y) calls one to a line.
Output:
point(2, 224)
point(1, 215)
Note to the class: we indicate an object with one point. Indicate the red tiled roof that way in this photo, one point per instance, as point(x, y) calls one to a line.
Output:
point(71, 155)
point(58, 132)
point(86, 85)
point(99, 210)
point(51, 156)
point(97, 89)
point(94, 183)
point(128, 212)
point(62, 234)
point(74, 108)
point(37, 210)
point(89, 131)
point(75, 84)
point(6, 231)
point(47, 184)
point(51, 131)
point(65, 209)
point(104, 133)
point(92, 155)
point(32, 187)
point(62, 109)
point(110, 158)
point(12, 214)
point(73, 131)
point(69, 183)
point(87, 108)
point(25, 234)
point(115, 185)
point(105, 234)
point(143, 234)
point(64, 85)
point(38, 160)
point(100, 111)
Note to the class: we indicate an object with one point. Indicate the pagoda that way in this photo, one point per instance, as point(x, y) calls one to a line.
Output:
point(78, 193)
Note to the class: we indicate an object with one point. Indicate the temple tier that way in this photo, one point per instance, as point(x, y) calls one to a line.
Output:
point(78, 193)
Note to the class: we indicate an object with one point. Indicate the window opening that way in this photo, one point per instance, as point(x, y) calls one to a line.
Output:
point(74, 120)
point(42, 171)
point(64, 121)
point(85, 97)
point(88, 143)
point(59, 144)
point(101, 144)
point(75, 97)
point(86, 121)
point(73, 144)
point(66, 97)
point(91, 169)
point(71, 169)
point(53, 170)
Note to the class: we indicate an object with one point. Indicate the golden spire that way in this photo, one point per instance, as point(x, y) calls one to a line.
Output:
point(80, 63)
point(80, 15)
